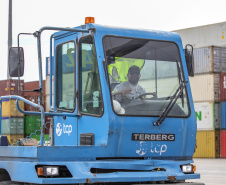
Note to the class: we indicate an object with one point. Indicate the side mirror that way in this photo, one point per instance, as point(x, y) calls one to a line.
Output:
point(16, 62)
point(189, 59)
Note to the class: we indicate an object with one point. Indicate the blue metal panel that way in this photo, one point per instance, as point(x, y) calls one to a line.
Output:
point(81, 171)
point(223, 115)
point(18, 152)
point(97, 126)
point(65, 132)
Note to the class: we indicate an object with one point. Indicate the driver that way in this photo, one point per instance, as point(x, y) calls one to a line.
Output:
point(130, 89)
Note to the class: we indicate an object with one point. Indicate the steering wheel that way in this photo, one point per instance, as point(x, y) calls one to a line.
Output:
point(143, 96)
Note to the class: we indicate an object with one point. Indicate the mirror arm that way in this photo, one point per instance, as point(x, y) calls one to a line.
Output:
point(18, 44)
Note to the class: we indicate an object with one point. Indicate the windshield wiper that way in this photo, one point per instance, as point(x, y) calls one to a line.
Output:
point(171, 103)
point(179, 75)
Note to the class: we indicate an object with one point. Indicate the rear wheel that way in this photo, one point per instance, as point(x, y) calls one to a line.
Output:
point(4, 176)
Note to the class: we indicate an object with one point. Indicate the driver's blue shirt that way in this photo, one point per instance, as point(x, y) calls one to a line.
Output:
point(136, 91)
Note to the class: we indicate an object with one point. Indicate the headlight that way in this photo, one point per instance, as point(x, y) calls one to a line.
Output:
point(52, 171)
point(48, 171)
point(188, 168)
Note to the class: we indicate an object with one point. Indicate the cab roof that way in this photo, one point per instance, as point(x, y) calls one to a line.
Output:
point(102, 30)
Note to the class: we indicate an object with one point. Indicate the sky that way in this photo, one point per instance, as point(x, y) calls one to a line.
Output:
point(30, 15)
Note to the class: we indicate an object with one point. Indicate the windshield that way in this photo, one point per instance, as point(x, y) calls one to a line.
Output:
point(143, 76)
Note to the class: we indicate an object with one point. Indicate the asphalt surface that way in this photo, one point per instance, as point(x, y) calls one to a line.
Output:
point(212, 171)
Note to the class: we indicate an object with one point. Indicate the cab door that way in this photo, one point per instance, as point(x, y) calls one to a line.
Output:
point(93, 123)
point(65, 127)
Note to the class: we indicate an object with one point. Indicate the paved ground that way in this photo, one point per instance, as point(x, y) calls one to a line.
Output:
point(212, 171)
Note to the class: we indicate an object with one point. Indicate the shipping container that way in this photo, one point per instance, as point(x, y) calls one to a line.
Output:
point(208, 144)
point(222, 86)
point(13, 139)
point(48, 66)
point(208, 115)
point(47, 94)
point(204, 36)
point(29, 86)
point(11, 87)
point(223, 143)
point(47, 85)
point(9, 108)
point(47, 103)
point(12, 125)
point(32, 124)
point(34, 99)
point(205, 88)
point(210, 60)
point(47, 122)
point(223, 115)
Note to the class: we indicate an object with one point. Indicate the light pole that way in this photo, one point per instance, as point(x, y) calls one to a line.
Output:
point(9, 34)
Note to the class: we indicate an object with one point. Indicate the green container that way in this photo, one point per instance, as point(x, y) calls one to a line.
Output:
point(31, 124)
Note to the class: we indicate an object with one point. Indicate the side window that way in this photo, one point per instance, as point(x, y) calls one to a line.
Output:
point(90, 96)
point(65, 82)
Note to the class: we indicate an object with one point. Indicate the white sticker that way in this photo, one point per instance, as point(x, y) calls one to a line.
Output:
point(96, 99)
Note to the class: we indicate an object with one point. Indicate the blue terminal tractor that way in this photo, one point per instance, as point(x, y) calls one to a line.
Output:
point(122, 110)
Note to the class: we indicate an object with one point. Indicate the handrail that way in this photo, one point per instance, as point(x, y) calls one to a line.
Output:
point(63, 29)
point(38, 35)
point(42, 113)
point(46, 113)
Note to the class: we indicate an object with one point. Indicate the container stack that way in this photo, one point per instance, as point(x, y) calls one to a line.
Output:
point(11, 87)
point(32, 124)
point(223, 115)
point(12, 123)
point(210, 63)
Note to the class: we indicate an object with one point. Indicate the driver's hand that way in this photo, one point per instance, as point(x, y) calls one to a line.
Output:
point(127, 90)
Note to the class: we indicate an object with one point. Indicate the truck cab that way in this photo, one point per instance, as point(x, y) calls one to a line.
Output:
point(122, 111)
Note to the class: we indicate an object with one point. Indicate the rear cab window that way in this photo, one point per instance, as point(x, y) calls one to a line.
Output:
point(65, 74)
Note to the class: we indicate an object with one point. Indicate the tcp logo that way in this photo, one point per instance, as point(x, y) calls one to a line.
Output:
point(65, 129)
point(58, 129)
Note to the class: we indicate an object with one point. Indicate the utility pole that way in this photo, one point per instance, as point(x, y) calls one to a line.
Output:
point(9, 33)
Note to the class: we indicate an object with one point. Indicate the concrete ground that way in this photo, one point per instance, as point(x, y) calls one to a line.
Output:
point(212, 171)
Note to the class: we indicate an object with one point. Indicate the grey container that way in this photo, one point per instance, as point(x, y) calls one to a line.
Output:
point(204, 36)
point(210, 59)
point(217, 115)
point(11, 126)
